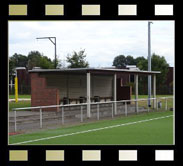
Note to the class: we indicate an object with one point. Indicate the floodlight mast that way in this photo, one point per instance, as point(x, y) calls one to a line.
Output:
point(54, 43)
point(149, 62)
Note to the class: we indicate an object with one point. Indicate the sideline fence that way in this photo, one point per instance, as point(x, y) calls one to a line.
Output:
point(77, 113)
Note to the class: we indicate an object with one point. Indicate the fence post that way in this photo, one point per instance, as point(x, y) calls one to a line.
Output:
point(98, 112)
point(62, 115)
point(166, 106)
point(154, 103)
point(148, 105)
point(126, 112)
point(115, 108)
point(112, 109)
point(15, 118)
point(81, 113)
point(41, 117)
point(137, 106)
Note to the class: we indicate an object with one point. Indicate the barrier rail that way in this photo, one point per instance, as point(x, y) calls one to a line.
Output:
point(114, 105)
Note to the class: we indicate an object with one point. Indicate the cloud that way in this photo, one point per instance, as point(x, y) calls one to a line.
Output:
point(102, 40)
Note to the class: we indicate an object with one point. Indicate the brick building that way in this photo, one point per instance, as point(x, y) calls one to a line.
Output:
point(68, 86)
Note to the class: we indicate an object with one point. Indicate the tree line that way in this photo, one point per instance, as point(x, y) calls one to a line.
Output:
point(78, 60)
point(158, 63)
point(36, 59)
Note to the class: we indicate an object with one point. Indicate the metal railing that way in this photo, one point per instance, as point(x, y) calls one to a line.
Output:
point(115, 111)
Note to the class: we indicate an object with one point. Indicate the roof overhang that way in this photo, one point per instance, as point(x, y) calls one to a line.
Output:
point(94, 71)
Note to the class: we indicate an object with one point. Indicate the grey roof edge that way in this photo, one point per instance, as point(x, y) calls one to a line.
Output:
point(94, 70)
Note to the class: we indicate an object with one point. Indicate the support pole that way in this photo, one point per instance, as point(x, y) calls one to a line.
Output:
point(88, 95)
point(62, 115)
point(115, 96)
point(55, 53)
point(126, 111)
point(81, 113)
point(148, 107)
point(166, 105)
point(112, 110)
point(149, 63)
point(154, 91)
point(98, 114)
point(15, 118)
point(136, 93)
point(41, 118)
point(16, 88)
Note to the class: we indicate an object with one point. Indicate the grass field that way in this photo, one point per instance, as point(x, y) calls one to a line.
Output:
point(147, 128)
point(20, 96)
point(19, 104)
point(146, 96)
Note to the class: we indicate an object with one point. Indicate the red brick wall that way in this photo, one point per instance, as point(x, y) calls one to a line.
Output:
point(41, 95)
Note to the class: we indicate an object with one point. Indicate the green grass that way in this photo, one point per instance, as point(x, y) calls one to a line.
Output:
point(20, 96)
point(19, 104)
point(133, 96)
point(158, 132)
point(146, 96)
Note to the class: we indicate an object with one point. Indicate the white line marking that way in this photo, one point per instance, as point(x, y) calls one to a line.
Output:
point(87, 131)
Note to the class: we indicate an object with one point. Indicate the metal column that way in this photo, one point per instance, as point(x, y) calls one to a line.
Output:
point(41, 117)
point(154, 91)
point(136, 93)
point(115, 96)
point(88, 95)
point(149, 63)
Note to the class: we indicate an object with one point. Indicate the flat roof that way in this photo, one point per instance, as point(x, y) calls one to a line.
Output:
point(93, 70)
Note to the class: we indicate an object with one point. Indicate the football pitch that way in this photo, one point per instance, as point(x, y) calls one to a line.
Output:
point(153, 128)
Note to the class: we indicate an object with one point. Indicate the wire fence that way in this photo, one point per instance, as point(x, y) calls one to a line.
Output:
point(31, 118)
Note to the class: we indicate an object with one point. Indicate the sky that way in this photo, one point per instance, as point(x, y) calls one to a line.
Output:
point(102, 40)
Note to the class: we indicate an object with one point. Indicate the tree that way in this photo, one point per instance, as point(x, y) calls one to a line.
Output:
point(119, 61)
point(139, 59)
point(77, 60)
point(46, 63)
point(17, 60)
point(36, 59)
point(11, 67)
point(158, 63)
point(58, 63)
point(130, 60)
